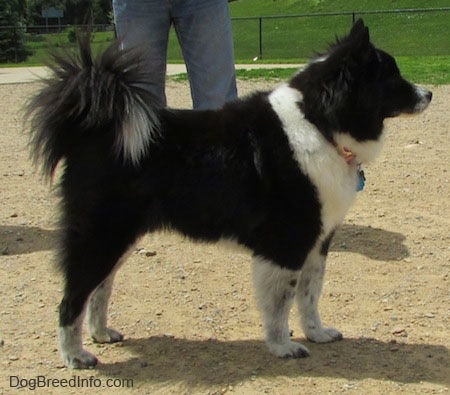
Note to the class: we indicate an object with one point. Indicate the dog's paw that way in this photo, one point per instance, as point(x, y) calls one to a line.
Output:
point(288, 350)
point(80, 360)
point(323, 335)
point(109, 335)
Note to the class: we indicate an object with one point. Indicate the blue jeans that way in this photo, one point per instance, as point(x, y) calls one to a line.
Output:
point(203, 28)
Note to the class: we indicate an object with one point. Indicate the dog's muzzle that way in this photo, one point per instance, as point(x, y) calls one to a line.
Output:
point(423, 99)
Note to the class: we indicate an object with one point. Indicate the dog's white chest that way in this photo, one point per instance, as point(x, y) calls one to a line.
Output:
point(335, 180)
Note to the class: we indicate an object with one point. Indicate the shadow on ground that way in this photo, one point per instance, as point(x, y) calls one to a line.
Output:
point(166, 359)
point(17, 240)
point(378, 244)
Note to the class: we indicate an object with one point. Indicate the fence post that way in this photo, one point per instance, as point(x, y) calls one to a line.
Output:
point(16, 43)
point(260, 38)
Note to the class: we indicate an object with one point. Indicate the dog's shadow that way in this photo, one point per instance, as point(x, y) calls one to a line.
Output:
point(18, 240)
point(208, 363)
point(378, 244)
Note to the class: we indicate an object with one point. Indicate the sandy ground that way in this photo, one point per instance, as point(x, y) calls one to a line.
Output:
point(188, 311)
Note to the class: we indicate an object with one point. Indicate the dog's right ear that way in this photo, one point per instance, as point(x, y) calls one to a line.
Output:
point(359, 35)
point(358, 48)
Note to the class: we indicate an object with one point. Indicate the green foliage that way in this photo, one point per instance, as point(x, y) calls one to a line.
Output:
point(12, 48)
point(71, 34)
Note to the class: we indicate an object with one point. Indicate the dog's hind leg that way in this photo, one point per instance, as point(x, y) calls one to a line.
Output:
point(71, 347)
point(308, 294)
point(90, 260)
point(71, 317)
point(275, 290)
point(97, 310)
point(97, 313)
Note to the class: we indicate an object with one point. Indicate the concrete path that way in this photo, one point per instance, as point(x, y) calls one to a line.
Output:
point(18, 75)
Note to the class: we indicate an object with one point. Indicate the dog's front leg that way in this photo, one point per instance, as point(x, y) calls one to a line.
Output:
point(308, 294)
point(275, 290)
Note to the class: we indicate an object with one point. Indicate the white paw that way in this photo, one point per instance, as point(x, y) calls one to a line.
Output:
point(109, 335)
point(289, 349)
point(80, 360)
point(323, 335)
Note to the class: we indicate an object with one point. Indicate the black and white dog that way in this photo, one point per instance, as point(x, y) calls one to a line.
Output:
point(275, 172)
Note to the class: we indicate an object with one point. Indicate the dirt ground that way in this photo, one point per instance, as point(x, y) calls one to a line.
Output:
point(188, 312)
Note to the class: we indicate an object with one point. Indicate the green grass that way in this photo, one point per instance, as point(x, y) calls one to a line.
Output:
point(245, 8)
point(405, 34)
point(433, 70)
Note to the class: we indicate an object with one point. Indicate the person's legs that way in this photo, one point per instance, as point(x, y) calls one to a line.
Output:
point(204, 33)
point(145, 24)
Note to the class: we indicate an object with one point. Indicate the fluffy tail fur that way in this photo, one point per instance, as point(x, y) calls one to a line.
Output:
point(87, 95)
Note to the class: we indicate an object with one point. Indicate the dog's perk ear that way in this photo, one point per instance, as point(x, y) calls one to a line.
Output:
point(353, 55)
point(357, 26)
point(358, 47)
point(359, 35)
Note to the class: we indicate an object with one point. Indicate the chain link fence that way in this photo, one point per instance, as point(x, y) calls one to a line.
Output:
point(413, 32)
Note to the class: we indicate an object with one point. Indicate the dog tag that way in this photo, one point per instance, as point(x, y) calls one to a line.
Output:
point(361, 180)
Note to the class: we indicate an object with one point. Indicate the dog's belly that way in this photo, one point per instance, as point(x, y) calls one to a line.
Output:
point(234, 246)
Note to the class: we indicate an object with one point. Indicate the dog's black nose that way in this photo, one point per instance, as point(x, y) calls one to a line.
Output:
point(429, 95)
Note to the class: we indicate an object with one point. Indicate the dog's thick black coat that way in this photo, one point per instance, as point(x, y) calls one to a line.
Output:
point(235, 173)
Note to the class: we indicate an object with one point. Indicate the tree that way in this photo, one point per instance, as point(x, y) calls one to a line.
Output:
point(12, 47)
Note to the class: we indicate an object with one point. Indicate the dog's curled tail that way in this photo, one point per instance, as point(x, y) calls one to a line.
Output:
point(86, 96)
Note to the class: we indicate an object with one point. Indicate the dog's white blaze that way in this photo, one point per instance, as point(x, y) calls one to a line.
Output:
point(334, 179)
